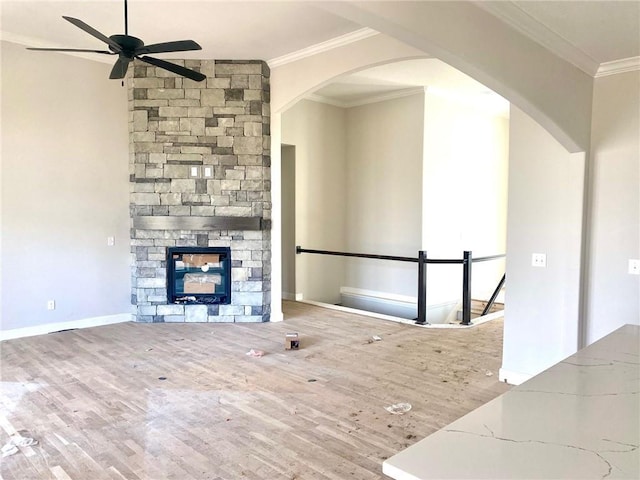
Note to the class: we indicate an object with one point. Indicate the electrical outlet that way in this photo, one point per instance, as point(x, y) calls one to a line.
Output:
point(539, 259)
point(634, 266)
point(111, 241)
point(51, 305)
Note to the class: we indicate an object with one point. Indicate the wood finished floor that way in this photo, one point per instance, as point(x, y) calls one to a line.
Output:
point(94, 400)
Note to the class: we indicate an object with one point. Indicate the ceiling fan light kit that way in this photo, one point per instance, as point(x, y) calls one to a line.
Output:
point(128, 48)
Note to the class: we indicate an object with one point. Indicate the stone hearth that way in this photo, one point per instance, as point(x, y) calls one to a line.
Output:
point(200, 176)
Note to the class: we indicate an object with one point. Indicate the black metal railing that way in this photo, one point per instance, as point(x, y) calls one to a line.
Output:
point(422, 260)
point(494, 295)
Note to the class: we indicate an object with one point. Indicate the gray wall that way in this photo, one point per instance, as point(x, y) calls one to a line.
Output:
point(64, 190)
point(318, 132)
point(614, 295)
point(545, 319)
point(544, 216)
point(384, 192)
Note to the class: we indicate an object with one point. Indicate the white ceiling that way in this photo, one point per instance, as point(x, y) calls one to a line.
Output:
point(225, 30)
point(586, 33)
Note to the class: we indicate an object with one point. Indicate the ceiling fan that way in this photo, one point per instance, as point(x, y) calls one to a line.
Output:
point(128, 48)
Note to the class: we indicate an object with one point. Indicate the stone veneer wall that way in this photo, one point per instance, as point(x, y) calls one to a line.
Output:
point(175, 124)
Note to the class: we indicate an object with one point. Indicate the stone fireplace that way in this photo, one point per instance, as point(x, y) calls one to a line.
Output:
point(200, 177)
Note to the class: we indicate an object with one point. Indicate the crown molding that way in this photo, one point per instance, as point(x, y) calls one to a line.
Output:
point(630, 64)
point(336, 42)
point(326, 100)
point(405, 92)
point(520, 20)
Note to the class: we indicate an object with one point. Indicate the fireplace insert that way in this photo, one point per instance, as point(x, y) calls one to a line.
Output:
point(199, 275)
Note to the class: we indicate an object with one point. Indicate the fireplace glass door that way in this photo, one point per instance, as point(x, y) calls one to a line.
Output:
point(199, 275)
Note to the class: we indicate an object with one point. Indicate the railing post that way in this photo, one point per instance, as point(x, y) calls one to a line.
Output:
point(422, 288)
point(466, 288)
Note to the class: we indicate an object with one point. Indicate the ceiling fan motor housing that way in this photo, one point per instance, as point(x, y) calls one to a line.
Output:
point(128, 44)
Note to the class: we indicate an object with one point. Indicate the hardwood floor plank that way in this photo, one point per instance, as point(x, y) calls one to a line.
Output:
point(184, 401)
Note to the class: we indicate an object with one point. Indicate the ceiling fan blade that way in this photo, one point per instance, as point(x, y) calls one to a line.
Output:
point(92, 31)
point(119, 69)
point(172, 67)
point(177, 46)
point(106, 52)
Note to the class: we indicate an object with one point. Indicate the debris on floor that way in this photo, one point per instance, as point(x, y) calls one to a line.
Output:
point(398, 408)
point(15, 442)
point(291, 341)
point(9, 449)
point(489, 374)
point(255, 353)
point(162, 378)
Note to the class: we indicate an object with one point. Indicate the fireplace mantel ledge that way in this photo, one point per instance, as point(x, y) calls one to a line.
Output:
point(157, 222)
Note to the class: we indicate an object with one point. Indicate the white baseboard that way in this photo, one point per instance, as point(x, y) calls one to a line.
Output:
point(56, 327)
point(276, 316)
point(292, 296)
point(356, 311)
point(513, 378)
point(394, 297)
point(379, 302)
point(386, 303)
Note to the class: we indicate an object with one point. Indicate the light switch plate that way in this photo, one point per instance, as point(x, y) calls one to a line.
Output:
point(539, 259)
